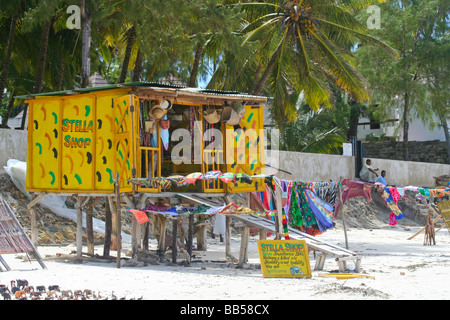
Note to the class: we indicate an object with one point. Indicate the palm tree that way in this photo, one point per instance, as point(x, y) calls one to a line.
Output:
point(309, 46)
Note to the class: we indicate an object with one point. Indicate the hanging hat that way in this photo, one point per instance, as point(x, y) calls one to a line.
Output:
point(157, 112)
point(226, 114)
point(235, 117)
point(166, 104)
point(211, 115)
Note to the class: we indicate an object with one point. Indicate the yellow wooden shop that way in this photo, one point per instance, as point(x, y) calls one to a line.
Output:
point(79, 140)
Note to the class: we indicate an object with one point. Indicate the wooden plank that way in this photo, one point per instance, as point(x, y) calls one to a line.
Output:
point(36, 200)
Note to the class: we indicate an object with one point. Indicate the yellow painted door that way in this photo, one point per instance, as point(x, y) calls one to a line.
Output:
point(123, 110)
point(245, 149)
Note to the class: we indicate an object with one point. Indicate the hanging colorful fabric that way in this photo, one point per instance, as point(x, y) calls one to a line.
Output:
point(193, 177)
point(285, 226)
point(227, 177)
point(322, 211)
point(140, 216)
point(179, 181)
point(295, 214)
point(165, 183)
point(242, 177)
point(310, 222)
point(211, 175)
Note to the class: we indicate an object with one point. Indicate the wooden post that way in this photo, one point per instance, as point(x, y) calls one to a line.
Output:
point(108, 225)
point(34, 229)
point(134, 240)
point(343, 219)
point(227, 230)
point(90, 229)
point(201, 235)
point(146, 234)
point(119, 222)
point(279, 217)
point(79, 237)
point(174, 239)
point(162, 235)
point(190, 238)
point(243, 253)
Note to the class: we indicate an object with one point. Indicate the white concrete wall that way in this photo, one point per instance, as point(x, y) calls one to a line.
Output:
point(315, 167)
point(323, 167)
point(13, 145)
point(403, 173)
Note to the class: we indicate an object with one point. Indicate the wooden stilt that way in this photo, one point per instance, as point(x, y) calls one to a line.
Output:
point(201, 235)
point(90, 230)
point(109, 206)
point(227, 201)
point(162, 235)
point(174, 239)
point(118, 221)
point(190, 243)
point(243, 253)
point(79, 236)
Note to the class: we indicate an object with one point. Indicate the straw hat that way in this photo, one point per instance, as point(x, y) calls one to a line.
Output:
point(226, 114)
point(157, 112)
point(211, 115)
point(235, 117)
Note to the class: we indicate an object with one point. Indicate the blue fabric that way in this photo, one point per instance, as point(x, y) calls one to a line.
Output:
point(382, 180)
point(323, 221)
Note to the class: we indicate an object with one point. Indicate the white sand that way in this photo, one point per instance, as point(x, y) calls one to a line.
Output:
point(403, 269)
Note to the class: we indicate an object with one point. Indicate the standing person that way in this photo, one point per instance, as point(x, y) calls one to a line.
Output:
point(382, 178)
point(368, 173)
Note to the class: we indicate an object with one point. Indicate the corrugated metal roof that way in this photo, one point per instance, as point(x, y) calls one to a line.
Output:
point(139, 84)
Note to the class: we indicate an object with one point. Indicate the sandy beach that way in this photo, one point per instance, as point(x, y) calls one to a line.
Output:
point(402, 270)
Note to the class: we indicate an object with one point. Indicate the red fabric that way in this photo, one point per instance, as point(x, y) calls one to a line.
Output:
point(355, 189)
point(140, 216)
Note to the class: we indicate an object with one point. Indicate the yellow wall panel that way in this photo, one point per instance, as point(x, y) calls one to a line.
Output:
point(45, 150)
point(78, 139)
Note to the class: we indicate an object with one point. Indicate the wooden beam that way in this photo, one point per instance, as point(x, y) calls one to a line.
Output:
point(36, 199)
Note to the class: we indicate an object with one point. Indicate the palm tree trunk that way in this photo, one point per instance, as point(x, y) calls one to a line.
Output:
point(126, 60)
point(6, 62)
point(86, 31)
point(137, 71)
point(195, 66)
point(62, 70)
point(8, 111)
point(42, 57)
point(263, 80)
